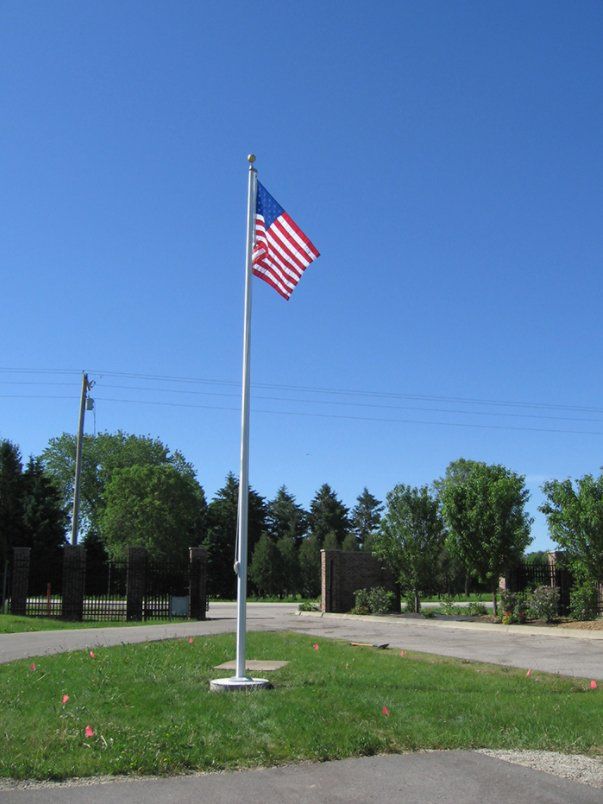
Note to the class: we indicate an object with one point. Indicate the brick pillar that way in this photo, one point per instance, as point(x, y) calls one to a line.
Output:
point(552, 559)
point(74, 577)
point(136, 583)
point(197, 575)
point(20, 580)
point(345, 571)
point(327, 580)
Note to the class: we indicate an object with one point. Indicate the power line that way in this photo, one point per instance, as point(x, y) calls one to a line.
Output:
point(321, 415)
point(354, 404)
point(318, 389)
point(352, 418)
point(311, 401)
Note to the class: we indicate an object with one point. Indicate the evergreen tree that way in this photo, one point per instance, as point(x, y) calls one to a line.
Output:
point(221, 535)
point(289, 555)
point(96, 553)
point(365, 518)
point(331, 542)
point(11, 500)
point(309, 564)
point(350, 542)
point(44, 518)
point(265, 570)
point(286, 518)
point(328, 515)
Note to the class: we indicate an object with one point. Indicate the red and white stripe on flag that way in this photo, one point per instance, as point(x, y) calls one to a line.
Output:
point(282, 252)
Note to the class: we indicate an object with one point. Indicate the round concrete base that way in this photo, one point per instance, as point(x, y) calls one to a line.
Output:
point(239, 684)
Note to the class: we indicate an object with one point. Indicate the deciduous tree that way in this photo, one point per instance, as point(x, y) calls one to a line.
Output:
point(155, 507)
point(574, 511)
point(410, 538)
point(102, 454)
point(489, 528)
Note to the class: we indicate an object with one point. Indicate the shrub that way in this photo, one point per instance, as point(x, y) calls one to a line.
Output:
point(476, 609)
point(583, 602)
point(521, 606)
point(447, 606)
point(411, 602)
point(380, 600)
point(543, 603)
point(507, 601)
point(307, 605)
point(361, 602)
point(373, 601)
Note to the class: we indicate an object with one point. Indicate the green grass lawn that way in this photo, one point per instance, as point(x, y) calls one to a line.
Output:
point(13, 624)
point(151, 711)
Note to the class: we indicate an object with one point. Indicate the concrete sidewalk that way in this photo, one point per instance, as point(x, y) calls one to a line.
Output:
point(446, 777)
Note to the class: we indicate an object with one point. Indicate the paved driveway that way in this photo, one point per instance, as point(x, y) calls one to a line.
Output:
point(547, 652)
point(435, 776)
point(446, 777)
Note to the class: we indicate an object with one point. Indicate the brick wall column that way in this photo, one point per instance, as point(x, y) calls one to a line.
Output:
point(74, 577)
point(136, 583)
point(323, 581)
point(328, 573)
point(552, 559)
point(345, 571)
point(197, 575)
point(20, 580)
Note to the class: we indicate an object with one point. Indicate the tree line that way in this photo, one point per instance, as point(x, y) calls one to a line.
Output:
point(136, 492)
point(467, 527)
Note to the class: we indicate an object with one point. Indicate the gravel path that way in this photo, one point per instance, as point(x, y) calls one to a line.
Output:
point(575, 767)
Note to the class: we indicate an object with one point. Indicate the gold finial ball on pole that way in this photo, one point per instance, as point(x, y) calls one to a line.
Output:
point(251, 159)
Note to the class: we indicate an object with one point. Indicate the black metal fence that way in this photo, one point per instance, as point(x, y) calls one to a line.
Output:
point(529, 576)
point(44, 596)
point(167, 591)
point(76, 585)
point(105, 589)
point(5, 584)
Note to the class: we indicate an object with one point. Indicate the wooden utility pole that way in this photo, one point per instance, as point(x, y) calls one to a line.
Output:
point(78, 459)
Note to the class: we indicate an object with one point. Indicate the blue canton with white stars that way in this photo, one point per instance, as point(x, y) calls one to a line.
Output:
point(267, 206)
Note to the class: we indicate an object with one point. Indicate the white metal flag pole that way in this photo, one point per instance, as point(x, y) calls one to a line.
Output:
point(241, 680)
point(242, 519)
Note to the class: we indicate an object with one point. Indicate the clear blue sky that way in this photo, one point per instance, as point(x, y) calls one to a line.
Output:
point(446, 159)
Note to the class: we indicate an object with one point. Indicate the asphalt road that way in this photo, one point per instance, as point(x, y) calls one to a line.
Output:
point(547, 651)
point(446, 777)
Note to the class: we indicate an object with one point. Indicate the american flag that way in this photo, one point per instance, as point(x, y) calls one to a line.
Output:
point(282, 252)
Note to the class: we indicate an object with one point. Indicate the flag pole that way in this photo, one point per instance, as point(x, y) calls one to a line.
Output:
point(243, 509)
point(241, 681)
